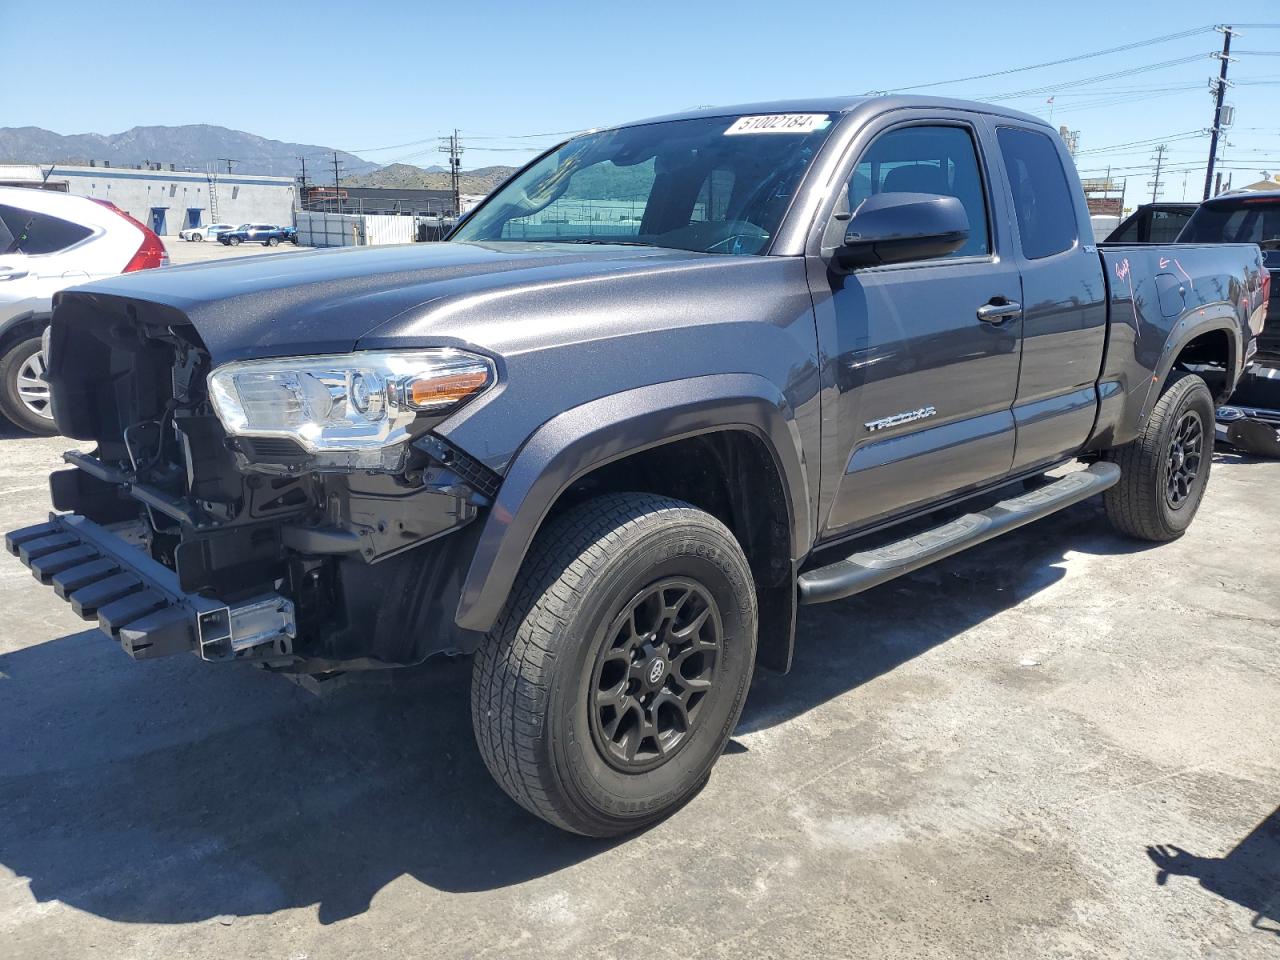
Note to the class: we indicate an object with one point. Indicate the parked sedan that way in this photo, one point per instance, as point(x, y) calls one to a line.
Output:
point(267, 234)
point(210, 231)
point(48, 242)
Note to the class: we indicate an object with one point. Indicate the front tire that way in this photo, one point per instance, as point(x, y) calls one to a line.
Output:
point(614, 677)
point(24, 397)
point(1164, 472)
point(234, 242)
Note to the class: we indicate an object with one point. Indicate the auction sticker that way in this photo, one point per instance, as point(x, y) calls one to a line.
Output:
point(778, 123)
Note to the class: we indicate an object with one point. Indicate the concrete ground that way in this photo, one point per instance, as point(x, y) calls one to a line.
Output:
point(188, 251)
point(1060, 744)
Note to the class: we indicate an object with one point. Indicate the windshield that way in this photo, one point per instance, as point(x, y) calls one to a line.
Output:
point(1247, 220)
point(713, 185)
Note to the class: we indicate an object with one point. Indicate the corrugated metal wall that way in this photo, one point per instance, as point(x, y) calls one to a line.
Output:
point(317, 229)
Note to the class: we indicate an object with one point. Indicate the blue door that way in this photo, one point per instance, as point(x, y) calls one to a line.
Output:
point(193, 217)
point(157, 219)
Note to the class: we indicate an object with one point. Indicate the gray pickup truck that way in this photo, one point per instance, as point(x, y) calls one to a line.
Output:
point(670, 381)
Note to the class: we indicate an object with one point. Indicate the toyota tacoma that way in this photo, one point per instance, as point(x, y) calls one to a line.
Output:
point(670, 381)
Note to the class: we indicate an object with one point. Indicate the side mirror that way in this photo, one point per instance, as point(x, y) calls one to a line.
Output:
point(899, 227)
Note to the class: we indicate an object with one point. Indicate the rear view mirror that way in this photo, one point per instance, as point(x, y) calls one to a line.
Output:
point(900, 227)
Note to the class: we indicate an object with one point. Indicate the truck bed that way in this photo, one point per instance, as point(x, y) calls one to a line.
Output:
point(1162, 297)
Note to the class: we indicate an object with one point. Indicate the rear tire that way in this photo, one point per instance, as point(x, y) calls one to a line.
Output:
point(22, 397)
point(270, 242)
point(1164, 472)
point(616, 674)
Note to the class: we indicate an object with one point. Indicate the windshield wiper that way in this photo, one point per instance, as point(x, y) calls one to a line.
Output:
point(602, 240)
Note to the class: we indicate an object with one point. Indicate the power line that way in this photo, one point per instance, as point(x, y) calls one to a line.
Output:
point(1055, 63)
point(1150, 142)
point(1067, 84)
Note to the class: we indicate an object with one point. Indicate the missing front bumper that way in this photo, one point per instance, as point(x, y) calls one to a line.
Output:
point(138, 601)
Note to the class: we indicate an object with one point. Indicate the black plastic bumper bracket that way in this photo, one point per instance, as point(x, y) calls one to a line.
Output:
point(137, 600)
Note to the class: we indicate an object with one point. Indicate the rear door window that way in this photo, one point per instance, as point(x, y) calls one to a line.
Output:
point(37, 233)
point(1244, 221)
point(1128, 232)
point(1166, 225)
point(1042, 199)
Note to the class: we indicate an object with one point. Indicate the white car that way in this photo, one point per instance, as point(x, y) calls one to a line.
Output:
point(50, 241)
point(209, 231)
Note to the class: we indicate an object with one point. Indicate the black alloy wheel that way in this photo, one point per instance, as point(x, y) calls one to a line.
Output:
point(1164, 471)
point(653, 673)
point(615, 675)
point(1186, 451)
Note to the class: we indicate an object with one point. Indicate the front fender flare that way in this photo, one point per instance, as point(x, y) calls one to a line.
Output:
point(574, 443)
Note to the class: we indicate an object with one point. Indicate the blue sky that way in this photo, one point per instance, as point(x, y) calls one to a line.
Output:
point(382, 74)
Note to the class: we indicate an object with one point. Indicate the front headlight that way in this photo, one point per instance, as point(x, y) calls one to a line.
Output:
point(347, 411)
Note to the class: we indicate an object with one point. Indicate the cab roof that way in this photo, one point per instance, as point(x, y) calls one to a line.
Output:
point(843, 105)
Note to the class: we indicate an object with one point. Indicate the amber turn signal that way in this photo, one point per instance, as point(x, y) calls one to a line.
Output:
point(446, 390)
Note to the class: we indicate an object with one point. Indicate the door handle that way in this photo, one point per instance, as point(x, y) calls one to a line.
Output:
point(7, 273)
point(999, 310)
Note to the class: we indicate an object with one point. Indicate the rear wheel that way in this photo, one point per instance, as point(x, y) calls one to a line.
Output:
point(1164, 472)
point(24, 396)
point(613, 679)
point(271, 241)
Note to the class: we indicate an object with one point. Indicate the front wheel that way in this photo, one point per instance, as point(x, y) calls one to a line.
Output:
point(614, 677)
point(198, 237)
point(24, 396)
point(1164, 472)
point(234, 242)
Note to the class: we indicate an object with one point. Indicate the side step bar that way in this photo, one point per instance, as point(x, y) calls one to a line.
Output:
point(870, 568)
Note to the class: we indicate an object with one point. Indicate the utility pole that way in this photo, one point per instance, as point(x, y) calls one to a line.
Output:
point(453, 148)
point(302, 194)
point(337, 182)
point(1155, 184)
point(1225, 56)
point(228, 161)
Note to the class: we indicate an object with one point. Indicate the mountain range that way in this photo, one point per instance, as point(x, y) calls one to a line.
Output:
point(199, 146)
point(193, 146)
point(405, 177)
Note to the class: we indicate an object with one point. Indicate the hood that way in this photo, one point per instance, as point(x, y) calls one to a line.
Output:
point(323, 302)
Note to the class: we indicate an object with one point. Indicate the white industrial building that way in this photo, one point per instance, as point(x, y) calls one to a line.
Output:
point(167, 200)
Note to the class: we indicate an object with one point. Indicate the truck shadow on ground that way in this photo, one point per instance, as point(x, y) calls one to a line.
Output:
point(172, 792)
point(1248, 875)
point(10, 432)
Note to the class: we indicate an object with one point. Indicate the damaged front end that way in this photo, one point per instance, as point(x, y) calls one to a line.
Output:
point(296, 512)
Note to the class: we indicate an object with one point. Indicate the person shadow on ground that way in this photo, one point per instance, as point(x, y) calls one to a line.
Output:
point(1249, 875)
